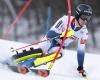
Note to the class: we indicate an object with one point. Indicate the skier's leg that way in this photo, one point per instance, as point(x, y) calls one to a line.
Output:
point(24, 66)
point(54, 47)
point(28, 63)
point(80, 58)
point(30, 53)
point(51, 49)
point(45, 46)
point(54, 50)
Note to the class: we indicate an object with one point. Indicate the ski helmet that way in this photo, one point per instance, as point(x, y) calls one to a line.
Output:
point(84, 11)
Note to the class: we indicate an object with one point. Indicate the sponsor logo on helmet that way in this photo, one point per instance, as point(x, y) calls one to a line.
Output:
point(88, 11)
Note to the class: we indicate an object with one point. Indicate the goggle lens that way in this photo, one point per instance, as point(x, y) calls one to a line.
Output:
point(85, 17)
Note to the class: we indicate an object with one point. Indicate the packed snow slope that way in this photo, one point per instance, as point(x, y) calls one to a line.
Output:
point(63, 69)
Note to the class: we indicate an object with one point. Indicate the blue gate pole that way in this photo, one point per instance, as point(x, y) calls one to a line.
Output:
point(48, 20)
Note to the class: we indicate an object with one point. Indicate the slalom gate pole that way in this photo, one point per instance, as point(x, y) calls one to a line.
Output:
point(35, 43)
point(16, 19)
point(64, 38)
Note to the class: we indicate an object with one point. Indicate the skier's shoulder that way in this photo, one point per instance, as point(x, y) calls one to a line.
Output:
point(64, 18)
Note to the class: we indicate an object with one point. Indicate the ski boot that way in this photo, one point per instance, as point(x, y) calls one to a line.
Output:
point(81, 71)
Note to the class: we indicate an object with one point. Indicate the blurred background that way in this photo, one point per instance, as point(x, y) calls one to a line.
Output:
point(40, 15)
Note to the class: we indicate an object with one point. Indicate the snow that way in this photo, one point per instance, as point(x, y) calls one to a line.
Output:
point(63, 69)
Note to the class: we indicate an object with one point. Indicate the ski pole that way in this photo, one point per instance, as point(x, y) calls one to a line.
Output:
point(58, 51)
point(34, 43)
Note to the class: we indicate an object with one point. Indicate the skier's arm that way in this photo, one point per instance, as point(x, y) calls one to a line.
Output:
point(52, 34)
point(57, 29)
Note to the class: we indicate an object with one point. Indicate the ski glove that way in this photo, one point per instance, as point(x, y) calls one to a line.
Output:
point(59, 40)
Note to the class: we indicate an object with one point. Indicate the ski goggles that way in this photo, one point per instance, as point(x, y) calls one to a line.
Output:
point(85, 17)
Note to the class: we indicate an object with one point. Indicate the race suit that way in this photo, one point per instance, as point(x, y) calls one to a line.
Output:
point(56, 33)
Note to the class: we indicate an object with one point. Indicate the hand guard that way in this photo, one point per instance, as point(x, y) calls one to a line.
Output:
point(70, 33)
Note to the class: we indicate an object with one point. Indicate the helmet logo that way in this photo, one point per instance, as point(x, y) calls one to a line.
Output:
point(88, 11)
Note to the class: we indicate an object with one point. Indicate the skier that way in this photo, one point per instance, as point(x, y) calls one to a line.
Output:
point(76, 31)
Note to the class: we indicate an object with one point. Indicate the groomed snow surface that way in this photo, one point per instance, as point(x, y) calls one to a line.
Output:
point(63, 69)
